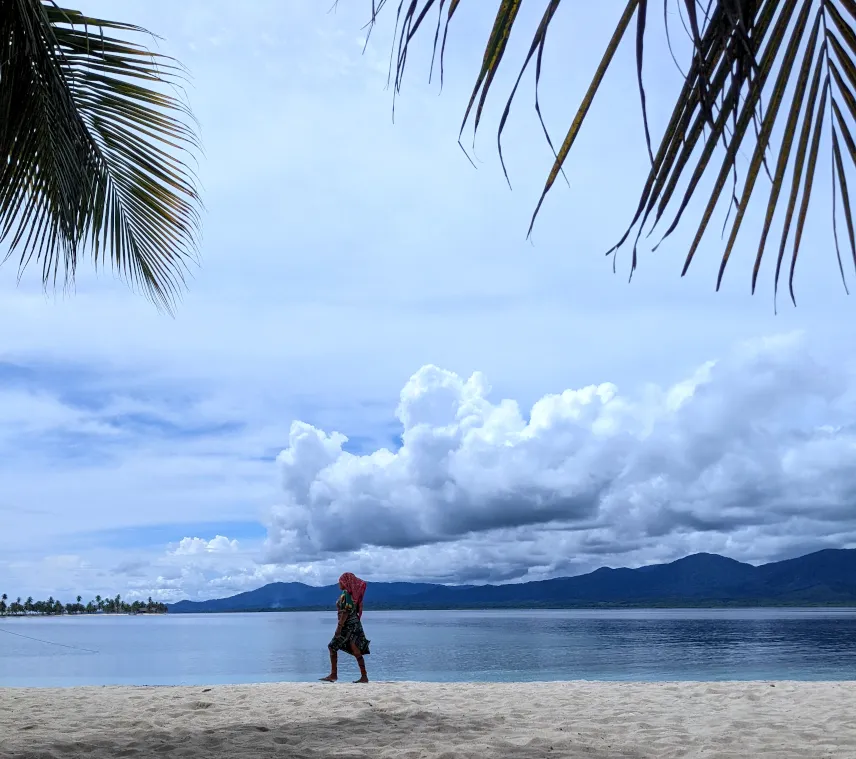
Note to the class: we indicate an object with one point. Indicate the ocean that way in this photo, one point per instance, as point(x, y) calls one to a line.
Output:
point(444, 646)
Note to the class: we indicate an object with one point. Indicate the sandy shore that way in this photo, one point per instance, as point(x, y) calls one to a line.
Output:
point(417, 720)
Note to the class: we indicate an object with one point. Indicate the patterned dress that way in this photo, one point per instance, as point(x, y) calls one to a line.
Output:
point(352, 628)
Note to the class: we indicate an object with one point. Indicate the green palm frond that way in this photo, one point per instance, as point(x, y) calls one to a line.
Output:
point(95, 139)
point(756, 67)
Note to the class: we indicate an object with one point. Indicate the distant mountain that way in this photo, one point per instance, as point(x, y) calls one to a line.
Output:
point(823, 578)
point(296, 595)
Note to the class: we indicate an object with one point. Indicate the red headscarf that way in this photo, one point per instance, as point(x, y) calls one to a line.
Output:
point(356, 587)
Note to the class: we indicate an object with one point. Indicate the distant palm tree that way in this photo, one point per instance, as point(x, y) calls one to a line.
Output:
point(92, 140)
point(756, 67)
point(55, 606)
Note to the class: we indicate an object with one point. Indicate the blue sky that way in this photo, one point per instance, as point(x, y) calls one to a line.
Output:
point(343, 253)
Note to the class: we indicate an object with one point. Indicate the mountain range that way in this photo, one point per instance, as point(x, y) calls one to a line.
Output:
point(825, 577)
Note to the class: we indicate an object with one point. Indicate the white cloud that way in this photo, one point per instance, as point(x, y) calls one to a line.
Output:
point(218, 544)
point(742, 445)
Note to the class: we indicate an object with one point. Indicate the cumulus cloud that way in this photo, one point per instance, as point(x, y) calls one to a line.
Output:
point(755, 449)
point(194, 546)
point(192, 568)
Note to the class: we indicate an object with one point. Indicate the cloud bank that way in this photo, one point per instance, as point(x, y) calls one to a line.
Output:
point(753, 454)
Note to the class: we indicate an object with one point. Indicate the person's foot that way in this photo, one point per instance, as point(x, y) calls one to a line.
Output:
point(363, 679)
point(329, 679)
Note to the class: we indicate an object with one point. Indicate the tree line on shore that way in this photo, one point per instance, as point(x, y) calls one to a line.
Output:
point(54, 607)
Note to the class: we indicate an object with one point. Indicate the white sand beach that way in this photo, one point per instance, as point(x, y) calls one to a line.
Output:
point(418, 720)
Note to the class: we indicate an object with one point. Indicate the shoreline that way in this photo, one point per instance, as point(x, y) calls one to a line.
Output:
point(383, 608)
point(606, 608)
point(616, 607)
point(427, 684)
point(401, 720)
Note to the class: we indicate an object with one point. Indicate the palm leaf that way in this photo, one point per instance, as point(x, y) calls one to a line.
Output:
point(797, 56)
point(96, 140)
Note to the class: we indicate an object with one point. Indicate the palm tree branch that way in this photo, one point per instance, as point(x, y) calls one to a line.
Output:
point(745, 57)
point(729, 85)
point(841, 177)
point(763, 139)
point(97, 140)
point(785, 150)
point(728, 108)
point(588, 98)
point(799, 165)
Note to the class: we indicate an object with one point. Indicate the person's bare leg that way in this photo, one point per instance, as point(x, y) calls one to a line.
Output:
point(334, 668)
point(361, 662)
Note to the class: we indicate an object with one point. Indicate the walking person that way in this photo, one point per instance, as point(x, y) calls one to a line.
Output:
point(349, 636)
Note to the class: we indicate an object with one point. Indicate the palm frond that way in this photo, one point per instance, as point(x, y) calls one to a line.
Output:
point(756, 68)
point(96, 140)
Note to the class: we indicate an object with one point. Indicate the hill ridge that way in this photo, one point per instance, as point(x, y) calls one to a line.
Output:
point(825, 577)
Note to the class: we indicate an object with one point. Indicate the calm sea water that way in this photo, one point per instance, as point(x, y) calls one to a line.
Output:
point(434, 646)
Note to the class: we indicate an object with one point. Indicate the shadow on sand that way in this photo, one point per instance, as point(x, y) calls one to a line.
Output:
point(372, 734)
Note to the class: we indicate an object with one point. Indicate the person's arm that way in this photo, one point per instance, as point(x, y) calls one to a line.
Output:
point(343, 609)
point(342, 616)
